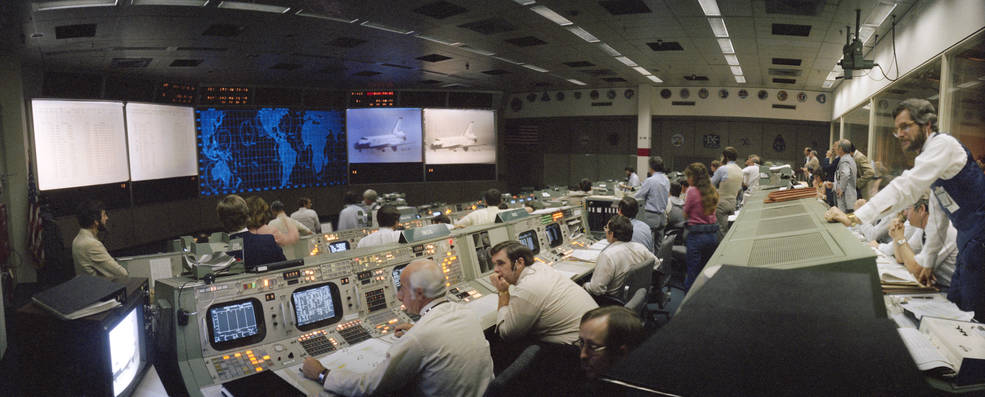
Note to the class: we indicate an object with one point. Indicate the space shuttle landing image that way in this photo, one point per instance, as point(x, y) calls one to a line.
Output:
point(394, 139)
point(458, 136)
point(384, 135)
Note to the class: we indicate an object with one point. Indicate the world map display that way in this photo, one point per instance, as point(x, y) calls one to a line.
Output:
point(250, 150)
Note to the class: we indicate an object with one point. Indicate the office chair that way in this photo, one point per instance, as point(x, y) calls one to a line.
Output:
point(506, 383)
point(638, 304)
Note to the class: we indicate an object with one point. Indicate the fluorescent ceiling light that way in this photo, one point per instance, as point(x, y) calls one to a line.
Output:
point(583, 34)
point(654, 79)
point(726, 46)
point(740, 79)
point(865, 32)
point(534, 67)
point(238, 5)
point(718, 27)
point(64, 4)
point(626, 61)
point(377, 26)
point(827, 83)
point(439, 41)
point(969, 84)
point(524, 2)
point(736, 70)
point(833, 75)
point(710, 7)
point(641, 70)
point(551, 15)
point(508, 60)
point(326, 17)
point(609, 50)
point(732, 59)
point(477, 51)
point(183, 3)
point(880, 13)
point(575, 82)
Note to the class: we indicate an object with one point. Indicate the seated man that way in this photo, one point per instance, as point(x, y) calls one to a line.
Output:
point(353, 216)
point(483, 216)
point(942, 265)
point(258, 249)
point(387, 217)
point(442, 219)
point(606, 335)
point(306, 215)
point(616, 260)
point(675, 207)
point(629, 207)
point(444, 354)
point(281, 221)
point(88, 253)
point(544, 305)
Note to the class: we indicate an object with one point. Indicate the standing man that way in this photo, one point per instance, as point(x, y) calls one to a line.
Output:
point(750, 174)
point(483, 216)
point(444, 354)
point(728, 181)
point(387, 217)
point(88, 253)
point(281, 222)
point(353, 216)
point(844, 185)
point(864, 170)
point(632, 180)
point(654, 193)
point(946, 168)
point(306, 215)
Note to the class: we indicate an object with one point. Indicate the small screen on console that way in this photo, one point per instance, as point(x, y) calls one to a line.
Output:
point(529, 238)
point(237, 323)
point(554, 236)
point(316, 306)
point(338, 246)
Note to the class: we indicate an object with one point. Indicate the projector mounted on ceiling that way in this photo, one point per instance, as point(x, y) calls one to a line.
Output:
point(852, 51)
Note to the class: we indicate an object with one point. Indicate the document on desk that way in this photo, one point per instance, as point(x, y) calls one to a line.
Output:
point(599, 245)
point(936, 308)
point(894, 272)
point(586, 255)
point(361, 358)
point(484, 305)
point(924, 354)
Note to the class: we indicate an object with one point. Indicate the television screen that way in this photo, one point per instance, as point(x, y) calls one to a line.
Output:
point(124, 351)
point(384, 135)
point(161, 139)
point(554, 236)
point(458, 136)
point(79, 143)
point(338, 246)
point(316, 306)
point(529, 238)
point(235, 324)
point(249, 150)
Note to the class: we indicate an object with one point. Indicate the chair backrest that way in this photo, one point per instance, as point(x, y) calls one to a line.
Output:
point(666, 247)
point(640, 276)
point(502, 384)
point(638, 302)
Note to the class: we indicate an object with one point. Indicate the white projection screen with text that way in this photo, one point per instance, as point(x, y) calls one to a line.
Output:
point(79, 143)
point(161, 139)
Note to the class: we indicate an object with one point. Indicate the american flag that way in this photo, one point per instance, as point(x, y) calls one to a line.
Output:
point(34, 239)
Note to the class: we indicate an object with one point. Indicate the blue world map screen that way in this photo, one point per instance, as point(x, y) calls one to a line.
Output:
point(250, 150)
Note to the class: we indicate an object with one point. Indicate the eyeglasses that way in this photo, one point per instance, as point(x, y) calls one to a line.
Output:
point(581, 344)
point(903, 127)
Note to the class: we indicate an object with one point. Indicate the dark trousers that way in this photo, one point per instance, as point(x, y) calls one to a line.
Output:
point(967, 288)
point(657, 223)
point(700, 243)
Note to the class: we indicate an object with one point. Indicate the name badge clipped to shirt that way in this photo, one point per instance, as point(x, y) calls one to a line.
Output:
point(945, 200)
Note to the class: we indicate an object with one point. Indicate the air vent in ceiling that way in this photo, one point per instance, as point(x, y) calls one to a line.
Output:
point(495, 72)
point(429, 81)
point(624, 7)
point(786, 61)
point(695, 77)
point(346, 42)
point(525, 41)
point(285, 66)
point(490, 26)
point(396, 66)
point(366, 73)
point(139, 48)
point(795, 7)
point(665, 46)
point(579, 64)
point(223, 30)
point(598, 72)
point(204, 49)
point(433, 58)
point(785, 81)
point(785, 72)
point(185, 63)
point(75, 31)
point(129, 63)
point(614, 79)
point(440, 9)
point(783, 29)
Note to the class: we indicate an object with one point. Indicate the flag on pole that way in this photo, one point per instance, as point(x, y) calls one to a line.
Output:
point(34, 223)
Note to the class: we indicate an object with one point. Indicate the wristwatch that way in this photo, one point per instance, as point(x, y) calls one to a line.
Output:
point(501, 293)
point(900, 242)
point(321, 376)
point(853, 220)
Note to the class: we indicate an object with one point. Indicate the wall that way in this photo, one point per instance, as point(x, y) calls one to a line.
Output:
point(547, 103)
point(923, 33)
point(13, 129)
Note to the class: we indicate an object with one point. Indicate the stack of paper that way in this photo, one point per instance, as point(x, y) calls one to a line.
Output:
point(936, 308)
point(586, 255)
point(925, 355)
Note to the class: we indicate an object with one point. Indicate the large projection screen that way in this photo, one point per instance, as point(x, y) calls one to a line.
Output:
point(79, 143)
point(384, 135)
point(161, 139)
point(459, 136)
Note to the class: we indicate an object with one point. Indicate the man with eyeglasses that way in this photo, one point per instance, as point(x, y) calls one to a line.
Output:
point(617, 259)
point(605, 336)
point(946, 169)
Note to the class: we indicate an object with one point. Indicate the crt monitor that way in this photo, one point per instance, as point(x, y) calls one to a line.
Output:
point(124, 350)
point(397, 271)
point(235, 324)
point(529, 239)
point(554, 236)
point(338, 246)
point(316, 306)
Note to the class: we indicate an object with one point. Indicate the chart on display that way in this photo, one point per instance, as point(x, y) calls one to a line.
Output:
point(459, 136)
point(161, 139)
point(79, 143)
point(384, 135)
point(247, 150)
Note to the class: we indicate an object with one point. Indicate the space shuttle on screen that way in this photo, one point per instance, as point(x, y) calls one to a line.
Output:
point(464, 141)
point(394, 139)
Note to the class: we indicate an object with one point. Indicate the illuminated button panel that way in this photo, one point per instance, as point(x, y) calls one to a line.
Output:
point(451, 267)
point(353, 332)
point(233, 365)
point(465, 295)
point(317, 343)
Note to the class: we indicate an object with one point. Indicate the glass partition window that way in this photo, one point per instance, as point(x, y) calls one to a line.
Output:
point(857, 127)
point(886, 156)
point(967, 94)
